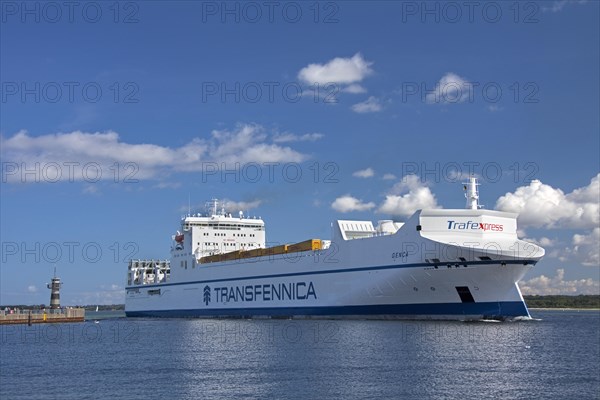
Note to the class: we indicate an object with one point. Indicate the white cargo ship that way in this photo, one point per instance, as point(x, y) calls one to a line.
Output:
point(439, 264)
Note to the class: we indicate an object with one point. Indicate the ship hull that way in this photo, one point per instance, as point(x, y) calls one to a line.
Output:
point(441, 264)
point(432, 311)
point(476, 290)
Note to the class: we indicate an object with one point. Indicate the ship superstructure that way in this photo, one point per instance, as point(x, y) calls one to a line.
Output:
point(439, 264)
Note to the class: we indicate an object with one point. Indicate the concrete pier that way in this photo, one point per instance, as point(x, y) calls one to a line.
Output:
point(18, 316)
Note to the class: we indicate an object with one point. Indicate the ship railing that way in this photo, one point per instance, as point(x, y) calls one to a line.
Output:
point(367, 235)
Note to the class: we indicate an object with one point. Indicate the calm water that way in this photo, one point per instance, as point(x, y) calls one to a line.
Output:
point(556, 357)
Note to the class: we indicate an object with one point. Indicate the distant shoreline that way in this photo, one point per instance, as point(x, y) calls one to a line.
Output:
point(563, 302)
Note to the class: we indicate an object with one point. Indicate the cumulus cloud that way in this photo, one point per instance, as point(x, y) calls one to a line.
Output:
point(372, 104)
point(364, 173)
point(291, 137)
point(235, 206)
point(540, 205)
point(230, 206)
point(543, 241)
point(248, 144)
point(354, 89)
point(408, 196)
point(339, 70)
point(543, 285)
point(389, 177)
point(32, 289)
point(451, 88)
point(348, 203)
point(582, 248)
point(587, 248)
point(79, 155)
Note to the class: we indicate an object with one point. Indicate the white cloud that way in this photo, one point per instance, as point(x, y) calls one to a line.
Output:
point(339, 70)
point(290, 137)
point(81, 155)
point(545, 242)
point(494, 108)
point(364, 173)
point(455, 175)
point(389, 177)
point(372, 104)
point(560, 4)
point(451, 88)
point(32, 289)
point(354, 89)
point(90, 189)
point(587, 248)
point(541, 205)
point(247, 144)
point(236, 206)
point(408, 196)
point(348, 203)
point(583, 248)
point(230, 206)
point(543, 285)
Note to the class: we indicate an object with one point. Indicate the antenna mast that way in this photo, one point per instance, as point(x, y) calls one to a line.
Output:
point(472, 194)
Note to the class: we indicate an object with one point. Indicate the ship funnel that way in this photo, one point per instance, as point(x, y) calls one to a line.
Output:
point(472, 194)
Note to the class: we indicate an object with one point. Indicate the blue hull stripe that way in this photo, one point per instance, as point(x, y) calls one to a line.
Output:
point(488, 309)
point(336, 271)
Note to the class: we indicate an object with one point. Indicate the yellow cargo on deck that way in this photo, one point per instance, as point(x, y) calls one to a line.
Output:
point(307, 245)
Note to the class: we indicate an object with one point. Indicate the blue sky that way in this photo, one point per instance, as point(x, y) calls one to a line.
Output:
point(113, 115)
